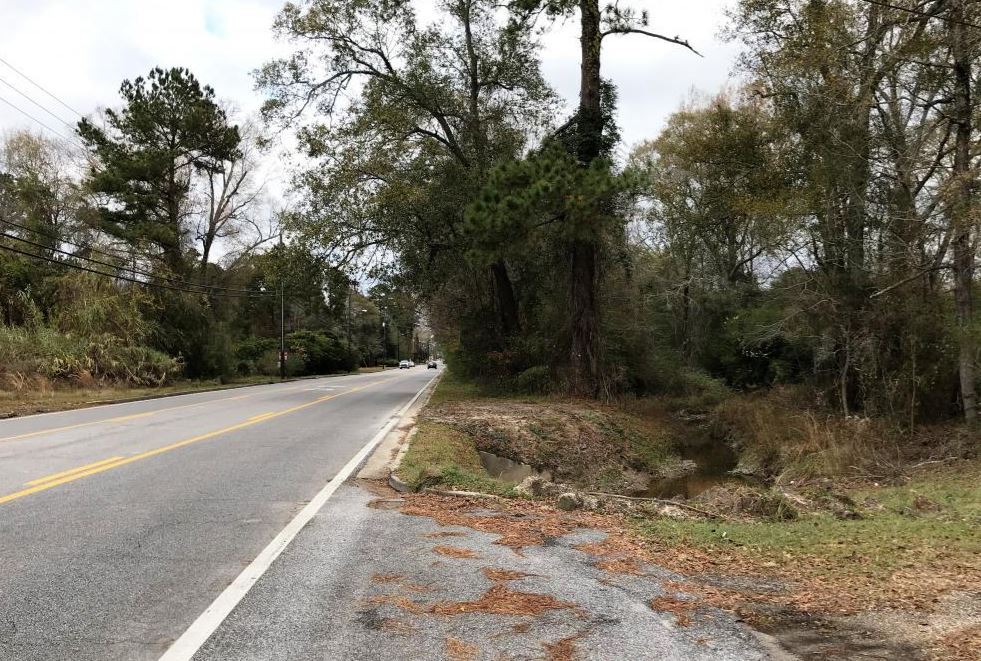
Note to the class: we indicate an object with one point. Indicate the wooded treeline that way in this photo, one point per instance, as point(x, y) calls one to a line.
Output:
point(816, 223)
point(145, 250)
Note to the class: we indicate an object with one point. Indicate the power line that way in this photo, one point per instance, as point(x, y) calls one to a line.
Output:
point(74, 244)
point(36, 103)
point(132, 269)
point(251, 294)
point(32, 117)
point(924, 14)
point(37, 85)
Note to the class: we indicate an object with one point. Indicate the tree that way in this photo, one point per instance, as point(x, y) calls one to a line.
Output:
point(590, 122)
point(718, 203)
point(146, 157)
point(437, 107)
point(231, 196)
point(963, 208)
point(42, 197)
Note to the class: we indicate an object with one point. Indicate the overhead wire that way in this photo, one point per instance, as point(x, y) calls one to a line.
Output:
point(118, 276)
point(175, 283)
point(132, 269)
point(38, 85)
point(35, 119)
point(26, 96)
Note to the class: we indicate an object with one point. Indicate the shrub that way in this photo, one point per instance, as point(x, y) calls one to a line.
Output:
point(321, 353)
point(534, 380)
point(53, 355)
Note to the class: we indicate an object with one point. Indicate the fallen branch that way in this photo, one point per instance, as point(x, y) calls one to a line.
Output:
point(933, 461)
point(464, 494)
point(661, 501)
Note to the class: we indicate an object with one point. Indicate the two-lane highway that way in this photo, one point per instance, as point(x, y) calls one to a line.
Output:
point(120, 524)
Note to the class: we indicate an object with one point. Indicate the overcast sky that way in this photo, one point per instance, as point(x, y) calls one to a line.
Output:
point(81, 51)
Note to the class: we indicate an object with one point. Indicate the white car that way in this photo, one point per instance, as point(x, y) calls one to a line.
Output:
point(411, 364)
point(404, 365)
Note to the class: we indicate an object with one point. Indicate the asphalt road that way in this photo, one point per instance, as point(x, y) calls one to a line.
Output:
point(361, 582)
point(120, 524)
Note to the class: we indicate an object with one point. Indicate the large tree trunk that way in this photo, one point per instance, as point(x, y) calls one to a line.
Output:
point(583, 252)
point(507, 303)
point(961, 209)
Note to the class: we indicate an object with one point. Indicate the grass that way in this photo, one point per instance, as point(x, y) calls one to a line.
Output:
point(932, 520)
point(441, 455)
point(453, 388)
point(594, 444)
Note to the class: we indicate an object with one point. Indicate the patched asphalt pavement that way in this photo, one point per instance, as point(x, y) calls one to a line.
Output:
point(365, 581)
point(120, 524)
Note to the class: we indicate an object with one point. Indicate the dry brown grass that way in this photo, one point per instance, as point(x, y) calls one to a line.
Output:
point(779, 437)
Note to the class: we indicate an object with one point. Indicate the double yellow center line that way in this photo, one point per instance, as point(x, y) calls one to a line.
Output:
point(51, 481)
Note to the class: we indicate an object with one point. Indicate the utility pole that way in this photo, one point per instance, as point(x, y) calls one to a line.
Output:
point(349, 314)
point(282, 317)
point(384, 341)
point(282, 331)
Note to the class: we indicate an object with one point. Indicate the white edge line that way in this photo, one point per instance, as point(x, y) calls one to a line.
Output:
point(185, 647)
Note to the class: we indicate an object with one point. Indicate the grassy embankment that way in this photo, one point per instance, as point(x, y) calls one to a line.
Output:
point(876, 512)
point(579, 442)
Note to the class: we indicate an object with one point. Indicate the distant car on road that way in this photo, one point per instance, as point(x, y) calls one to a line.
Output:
point(404, 365)
point(411, 364)
point(432, 365)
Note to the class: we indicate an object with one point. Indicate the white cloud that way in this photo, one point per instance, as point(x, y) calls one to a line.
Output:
point(81, 51)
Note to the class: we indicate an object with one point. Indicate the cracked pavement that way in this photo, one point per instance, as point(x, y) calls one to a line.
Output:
point(365, 581)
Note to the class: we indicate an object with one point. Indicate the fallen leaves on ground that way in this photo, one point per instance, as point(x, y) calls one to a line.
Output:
point(679, 607)
point(386, 578)
point(496, 575)
point(404, 603)
point(457, 650)
point(740, 580)
point(501, 600)
point(961, 645)
point(518, 524)
point(456, 552)
point(617, 556)
point(562, 650)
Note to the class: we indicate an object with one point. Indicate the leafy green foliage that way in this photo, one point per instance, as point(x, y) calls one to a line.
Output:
point(170, 129)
